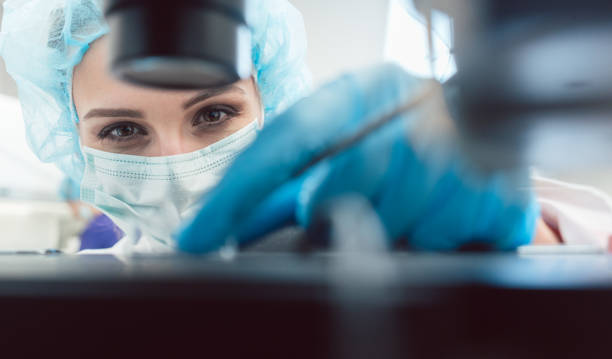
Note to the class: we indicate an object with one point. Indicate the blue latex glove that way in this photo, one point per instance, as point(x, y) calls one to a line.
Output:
point(435, 205)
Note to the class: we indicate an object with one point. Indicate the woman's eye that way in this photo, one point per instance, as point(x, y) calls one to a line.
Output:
point(121, 132)
point(211, 117)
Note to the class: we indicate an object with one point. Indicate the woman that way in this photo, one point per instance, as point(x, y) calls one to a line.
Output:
point(146, 156)
point(143, 156)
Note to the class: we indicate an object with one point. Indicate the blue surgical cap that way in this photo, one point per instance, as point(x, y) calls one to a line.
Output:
point(43, 40)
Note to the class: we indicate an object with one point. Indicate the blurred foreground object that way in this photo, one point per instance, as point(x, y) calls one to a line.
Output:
point(282, 305)
point(533, 80)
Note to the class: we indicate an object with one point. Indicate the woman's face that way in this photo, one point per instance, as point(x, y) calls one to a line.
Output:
point(123, 118)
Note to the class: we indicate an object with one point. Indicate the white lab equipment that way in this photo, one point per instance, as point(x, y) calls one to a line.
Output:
point(31, 217)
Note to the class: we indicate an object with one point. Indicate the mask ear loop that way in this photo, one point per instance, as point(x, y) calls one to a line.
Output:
point(430, 43)
point(260, 120)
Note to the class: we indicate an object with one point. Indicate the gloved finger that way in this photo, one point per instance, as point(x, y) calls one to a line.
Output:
point(276, 211)
point(289, 143)
point(405, 191)
point(464, 209)
point(452, 215)
point(359, 170)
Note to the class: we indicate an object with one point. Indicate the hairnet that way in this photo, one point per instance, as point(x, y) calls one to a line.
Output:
point(42, 41)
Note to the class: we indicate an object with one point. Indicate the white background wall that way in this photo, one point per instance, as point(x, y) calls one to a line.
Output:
point(343, 34)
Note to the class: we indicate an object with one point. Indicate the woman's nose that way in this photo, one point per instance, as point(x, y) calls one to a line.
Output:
point(176, 141)
point(172, 145)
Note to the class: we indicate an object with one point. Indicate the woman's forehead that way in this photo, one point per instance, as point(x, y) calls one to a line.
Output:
point(92, 82)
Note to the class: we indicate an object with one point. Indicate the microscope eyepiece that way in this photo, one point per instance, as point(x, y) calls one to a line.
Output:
point(183, 44)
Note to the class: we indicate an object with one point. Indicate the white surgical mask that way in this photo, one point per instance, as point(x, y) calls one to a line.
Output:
point(151, 196)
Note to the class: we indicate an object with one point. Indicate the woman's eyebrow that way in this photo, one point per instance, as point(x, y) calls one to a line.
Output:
point(113, 112)
point(211, 92)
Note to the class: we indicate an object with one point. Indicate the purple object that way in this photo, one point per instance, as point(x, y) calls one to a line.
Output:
point(100, 233)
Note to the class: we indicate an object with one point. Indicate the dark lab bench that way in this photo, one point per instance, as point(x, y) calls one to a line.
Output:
point(309, 305)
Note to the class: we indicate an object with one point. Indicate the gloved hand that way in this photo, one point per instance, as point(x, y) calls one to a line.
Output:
point(428, 196)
